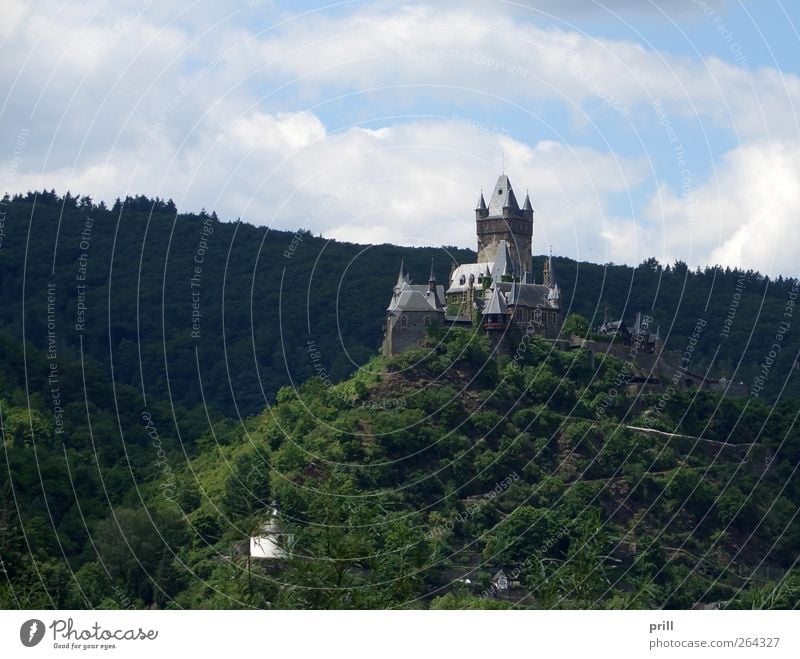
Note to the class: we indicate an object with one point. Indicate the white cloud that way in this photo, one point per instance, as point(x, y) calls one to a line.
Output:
point(138, 98)
point(440, 51)
point(747, 212)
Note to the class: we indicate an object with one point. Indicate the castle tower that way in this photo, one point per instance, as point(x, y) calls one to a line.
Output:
point(505, 220)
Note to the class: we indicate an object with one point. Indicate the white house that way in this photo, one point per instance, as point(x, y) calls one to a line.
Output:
point(271, 542)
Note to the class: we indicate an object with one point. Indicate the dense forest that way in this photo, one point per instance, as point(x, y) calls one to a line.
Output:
point(158, 393)
point(263, 294)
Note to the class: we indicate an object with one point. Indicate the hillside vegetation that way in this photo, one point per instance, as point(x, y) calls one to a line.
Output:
point(409, 486)
point(139, 459)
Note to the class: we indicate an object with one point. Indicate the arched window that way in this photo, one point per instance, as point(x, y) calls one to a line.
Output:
point(404, 322)
point(427, 320)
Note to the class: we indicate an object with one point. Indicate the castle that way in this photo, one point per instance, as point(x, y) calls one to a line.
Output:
point(497, 293)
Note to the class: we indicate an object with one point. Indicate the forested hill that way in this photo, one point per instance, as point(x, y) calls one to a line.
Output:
point(129, 481)
point(188, 308)
point(408, 486)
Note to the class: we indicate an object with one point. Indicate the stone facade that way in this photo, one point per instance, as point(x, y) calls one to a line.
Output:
point(412, 309)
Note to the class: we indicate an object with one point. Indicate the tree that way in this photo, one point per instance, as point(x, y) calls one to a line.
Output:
point(135, 544)
point(575, 324)
point(526, 532)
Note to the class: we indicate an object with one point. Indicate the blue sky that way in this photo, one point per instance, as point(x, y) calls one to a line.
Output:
point(664, 128)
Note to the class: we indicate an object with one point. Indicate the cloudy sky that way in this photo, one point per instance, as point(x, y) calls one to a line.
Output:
point(641, 128)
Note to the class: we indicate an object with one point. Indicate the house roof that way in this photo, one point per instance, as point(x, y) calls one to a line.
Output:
point(499, 575)
point(416, 297)
point(528, 295)
point(503, 264)
point(614, 325)
point(496, 304)
point(475, 269)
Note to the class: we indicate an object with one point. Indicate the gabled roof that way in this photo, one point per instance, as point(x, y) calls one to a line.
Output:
point(502, 196)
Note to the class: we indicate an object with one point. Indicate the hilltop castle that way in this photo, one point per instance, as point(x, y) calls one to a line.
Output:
point(497, 293)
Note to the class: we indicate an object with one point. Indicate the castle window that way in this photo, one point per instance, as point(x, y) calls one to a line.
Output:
point(427, 321)
point(404, 322)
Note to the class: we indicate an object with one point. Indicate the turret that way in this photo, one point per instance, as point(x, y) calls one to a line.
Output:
point(527, 208)
point(481, 211)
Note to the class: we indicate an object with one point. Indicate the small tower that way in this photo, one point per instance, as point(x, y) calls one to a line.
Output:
point(527, 208)
point(433, 289)
point(481, 212)
point(412, 309)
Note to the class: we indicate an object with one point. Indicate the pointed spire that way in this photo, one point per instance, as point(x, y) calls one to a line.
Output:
point(481, 211)
point(527, 205)
point(401, 278)
point(496, 303)
point(503, 198)
point(432, 285)
point(549, 271)
point(546, 272)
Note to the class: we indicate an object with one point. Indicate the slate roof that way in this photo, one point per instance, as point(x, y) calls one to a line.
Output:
point(467, 269)
point(503, 264)
point(502, 196)
point(527, 205)
point(613, 326)
point(416, 297)
point(496, 304)
point(528, 295)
